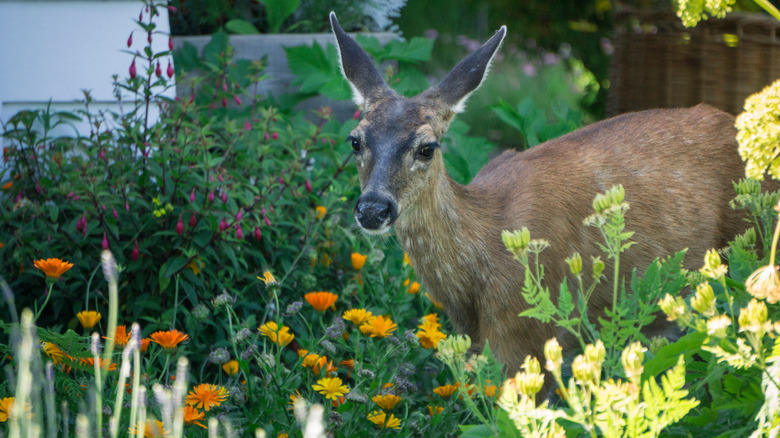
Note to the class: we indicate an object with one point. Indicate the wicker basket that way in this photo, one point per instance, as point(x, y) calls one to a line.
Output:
point(659, 63)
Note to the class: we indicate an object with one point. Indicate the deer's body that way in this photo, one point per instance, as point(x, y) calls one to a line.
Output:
point(677, 167)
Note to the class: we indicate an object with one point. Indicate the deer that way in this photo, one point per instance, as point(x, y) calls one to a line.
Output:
point(676, 165)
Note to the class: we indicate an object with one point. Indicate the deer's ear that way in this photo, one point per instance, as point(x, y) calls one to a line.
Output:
point(468, 75)
point(364, 79)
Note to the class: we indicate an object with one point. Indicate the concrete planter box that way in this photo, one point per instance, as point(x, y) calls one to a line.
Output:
point(271, 46)
point(52, 50)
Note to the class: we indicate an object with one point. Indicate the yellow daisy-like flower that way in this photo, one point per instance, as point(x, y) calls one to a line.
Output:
point(321, 300)
point(445, 391)
point(331, 387)
point(379, 327)
point(387, 401)
point(153, 429)
point(358, 316)
point(54, 352)
point(321, 211)
point(414, 288)
point(206, 396)
point(88, 318)
point(358, 260)
point(230, 367)
point(5, 408)
point(429, 338)
point(435, 410)
point(122, 337)
point(268, 278)
point(383, 421)
point(53, 268)
point(279, 336)
point(193, 415)
point(310, 360)
point(490, 389)
point(168, 340)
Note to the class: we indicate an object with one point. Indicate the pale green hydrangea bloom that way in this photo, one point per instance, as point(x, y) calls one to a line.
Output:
point(693, 11)
point(758, 133)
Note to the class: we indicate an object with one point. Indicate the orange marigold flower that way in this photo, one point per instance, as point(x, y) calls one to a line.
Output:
point(122, 336)
point(387, 401)
point(5, 408)
point(338, 402)
point(383, 421)
point(169, 340)
point(90, 361)
point(414, 288)
point(380, 327)
point(406, 259)
point(349, 363)
point(145, 344)
point(435, 410)
point(358, 316)
point(445, 391)
point(321, 211)
point(268, 278)
point(88, 318)
point(206, 395)
point(153, 429)
point(193, 416)
point(358, 260)
point(429, 338)
point(279, 336)
point(53, 268)
point(54, 352)
point(490, 390)
point(323, 363)
point(321, 300)
point(8, 185)
point(310, 360)
point(430, 319)
point(230, 367)
point(331, 387)
point(295, 397)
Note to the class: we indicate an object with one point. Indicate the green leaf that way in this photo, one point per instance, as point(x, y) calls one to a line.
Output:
point(215, 49)
point(278, 11)
point(241, 27)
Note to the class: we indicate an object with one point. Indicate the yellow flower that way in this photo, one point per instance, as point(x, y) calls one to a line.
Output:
point(206, 395)
point(445, 391)
point(122, 336)
point(383, 421)
point(321, 211)
point(53, 268)
point(195, 265)
point(764, 283)
point(279, 336)
point(5, 408)
point(435, 303)
point(230, 367)
point(193, 416)
point(758, 131)
point(406, 259)
point(268, 279)
point(153, 429)
point(379, 327)
point(90, 362)
point(331, 387)
point(430, 319)
point(429, 338)
point(168, 340)
point(387, 401)
point(358, 260)
point(358, 316)
point(295, 397)
point(693, 11)
point(414, 288)
point(490, 390)
point(54, 352)
point(88, 318)
point(435, 410)
point(321, 300)
point(310, 360)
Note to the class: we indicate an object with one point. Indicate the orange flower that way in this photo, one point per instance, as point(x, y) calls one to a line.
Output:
point(338, 402)
point(380, 327)
point(88, 318)
point(53, 268)
point(358, 260)
point(193, 415)
point(54, 352)
point(90, 362)
point(279, 336)
point(435, 303)
point(5, 408)
point(321, 363)
point(490, 390)
point(153, 429)
point(122, 336)
point(268, 278)
point(446, 391)
point(387, 401)
point(169, 340)
point(429, 338)
point(414, 288)
point(435, 410)
point(321, 211)
point(8, 185)
point(230, 367)
point(145, 344)
point(349, 363)
point(310, 360)
point(206, 395)
point(406, 259)
point(321, 300)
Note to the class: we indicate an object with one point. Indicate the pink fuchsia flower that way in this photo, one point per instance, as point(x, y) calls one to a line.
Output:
point(158, 70)
point(238, 100)
point(258, 234)
point(170, 40)
point(211, 196)
point(170, 70)
point(113, 211)
point(224, 196)
point(223, 225)
point(105, 242)
point(130, 40)
point(134, 254)
point(247, 125)
point(193, 220)
point(307, 184)
point(179, 226)
point(275, 135)
point(192, 196)
point(239, 232)
point(356, 115)
point(132, 70)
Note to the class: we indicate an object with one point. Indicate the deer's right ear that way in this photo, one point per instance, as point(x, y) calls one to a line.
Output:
point(364, 79)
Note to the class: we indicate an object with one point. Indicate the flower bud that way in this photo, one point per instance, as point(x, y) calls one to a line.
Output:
point(632, 358)
point(158, 70)
point(673, 307)
point(132, 70)
point(239, 232)
point(113, 211)
point(127, 206)
point(192, 196)
point(134, 254)
point(583, 370)
point(105, 242)
point(575, 263)
point(224, 102)
point(554, 355)
point(516, 241)
point(717, 325)
point(223, 225)
point(258, 234)
point(130, 40)
point(247, 125)
point(193, 220)
point(704, 300)
point(179, 226)
point(307, 184)
point(239, 215)
point(275, 135)
point(531, 365)
point(753, 317)
point(170, 72)
point(211, 196)
point(356, 115)
point(595, 353)
point(224, 195)
point(237, 100)
point(598, 267)
point(529, 384)
point(170, 40)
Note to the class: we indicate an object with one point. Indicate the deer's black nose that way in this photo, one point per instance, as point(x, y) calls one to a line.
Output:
point(374, 211)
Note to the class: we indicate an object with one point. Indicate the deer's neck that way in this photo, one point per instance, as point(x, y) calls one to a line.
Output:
point(446, 234)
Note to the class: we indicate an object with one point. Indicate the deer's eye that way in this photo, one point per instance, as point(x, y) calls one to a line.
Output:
point(355, 143)
point(426, 151)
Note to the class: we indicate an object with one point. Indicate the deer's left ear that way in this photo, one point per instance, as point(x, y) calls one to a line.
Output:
point(468, 75)
point(356, 65)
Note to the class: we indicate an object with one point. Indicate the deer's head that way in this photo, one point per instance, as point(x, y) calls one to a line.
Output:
point(396, 145)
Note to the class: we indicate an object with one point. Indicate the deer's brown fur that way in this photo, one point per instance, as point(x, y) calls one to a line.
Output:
point(677, 168)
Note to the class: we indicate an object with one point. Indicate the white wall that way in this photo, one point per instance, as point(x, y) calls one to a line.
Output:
point(54, 49)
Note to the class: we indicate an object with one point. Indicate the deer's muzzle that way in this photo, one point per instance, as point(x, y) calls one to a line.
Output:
point(375, 212)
